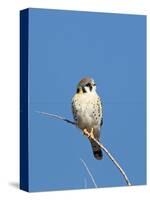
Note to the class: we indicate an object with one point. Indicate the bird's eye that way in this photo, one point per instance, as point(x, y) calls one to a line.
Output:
point(94, 84)
point(88, 85)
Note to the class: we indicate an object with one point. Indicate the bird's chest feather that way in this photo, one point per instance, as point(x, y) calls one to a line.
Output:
point(85, 107)
point(85, 104)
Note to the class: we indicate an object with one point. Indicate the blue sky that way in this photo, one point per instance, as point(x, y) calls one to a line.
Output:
point(64, 47)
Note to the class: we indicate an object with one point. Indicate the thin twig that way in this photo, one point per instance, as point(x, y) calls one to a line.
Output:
point(111, 158)
point(90, 174)
point(115, 162)
point(101, 145)
point(57, 117)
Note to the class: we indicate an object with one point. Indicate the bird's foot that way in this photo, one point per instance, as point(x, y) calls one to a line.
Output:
point(86, 133)
point(89, 135)
point(92, 134)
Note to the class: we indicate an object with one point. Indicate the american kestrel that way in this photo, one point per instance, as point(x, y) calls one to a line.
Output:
point(87, 112)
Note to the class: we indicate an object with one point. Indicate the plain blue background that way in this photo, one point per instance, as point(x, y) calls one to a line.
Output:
point(64, 47)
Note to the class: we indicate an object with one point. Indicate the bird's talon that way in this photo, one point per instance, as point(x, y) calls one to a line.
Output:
point(86, 133)
point(92, 134)
point(89, 135)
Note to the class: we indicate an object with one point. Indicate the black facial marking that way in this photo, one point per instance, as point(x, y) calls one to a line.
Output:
point(83, 89)
point(78, 90)
point(89, 85)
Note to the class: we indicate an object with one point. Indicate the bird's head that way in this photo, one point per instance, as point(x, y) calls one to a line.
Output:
point(86, 85)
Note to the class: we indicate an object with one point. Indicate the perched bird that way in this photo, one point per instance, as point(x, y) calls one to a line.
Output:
point(87, 112)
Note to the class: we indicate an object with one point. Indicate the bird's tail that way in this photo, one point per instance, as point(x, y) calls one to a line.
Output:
point(97, 152)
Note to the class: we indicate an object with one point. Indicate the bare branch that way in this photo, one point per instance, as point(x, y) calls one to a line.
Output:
point(101, 145)
point(90, 174)
point(57, 117)
point(115, 162)
point(111, 158)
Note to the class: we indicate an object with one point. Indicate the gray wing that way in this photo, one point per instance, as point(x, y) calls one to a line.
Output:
point(99, 111)
point(74, 110)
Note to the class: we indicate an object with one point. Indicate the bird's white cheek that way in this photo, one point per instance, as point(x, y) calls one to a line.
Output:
point(87, 89)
